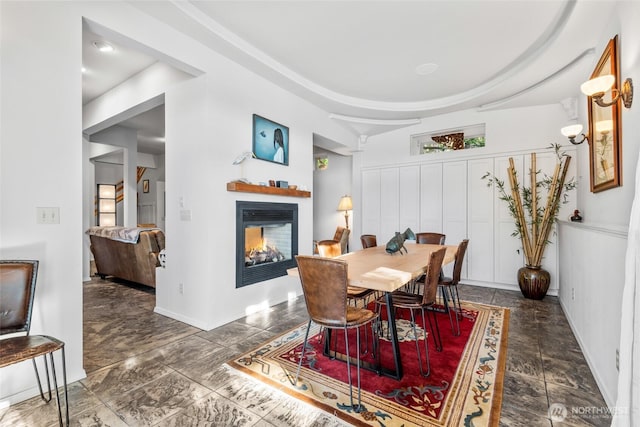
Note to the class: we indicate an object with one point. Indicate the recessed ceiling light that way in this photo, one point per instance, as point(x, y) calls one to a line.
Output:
point(103, 46)
point(428, 68)
point(84, 70)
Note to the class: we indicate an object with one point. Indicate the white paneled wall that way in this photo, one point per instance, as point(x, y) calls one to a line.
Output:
point(591, 297)
point(371, 202)
point(508, 257)
point(480, 221)
point(452, 198)
point(409, 192)
point(389, 203)
point(431, 197)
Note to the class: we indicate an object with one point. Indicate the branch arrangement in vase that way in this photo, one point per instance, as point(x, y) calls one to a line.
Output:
point(533, 220)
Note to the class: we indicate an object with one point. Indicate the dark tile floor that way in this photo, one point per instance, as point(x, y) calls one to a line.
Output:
point(145, 369)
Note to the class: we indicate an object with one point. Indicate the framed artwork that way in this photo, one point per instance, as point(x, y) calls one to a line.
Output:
point(605, 153)
point(145, 186)
point(270, 140)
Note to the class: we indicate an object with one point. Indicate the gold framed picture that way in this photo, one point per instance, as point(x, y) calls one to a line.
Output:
point(605, 153)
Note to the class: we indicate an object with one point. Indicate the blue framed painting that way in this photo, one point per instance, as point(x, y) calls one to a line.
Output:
point(270, 140)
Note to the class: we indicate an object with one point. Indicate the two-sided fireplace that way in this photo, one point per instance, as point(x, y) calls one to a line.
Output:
point(266, 240)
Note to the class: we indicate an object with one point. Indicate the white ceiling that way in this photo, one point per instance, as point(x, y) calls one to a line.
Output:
point(357, 59)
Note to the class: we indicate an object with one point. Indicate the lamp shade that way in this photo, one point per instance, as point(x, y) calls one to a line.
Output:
point(345, 204)
point(571, 130)
point(597, 85)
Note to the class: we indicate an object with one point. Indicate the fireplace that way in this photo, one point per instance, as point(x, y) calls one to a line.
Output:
point(266, 240)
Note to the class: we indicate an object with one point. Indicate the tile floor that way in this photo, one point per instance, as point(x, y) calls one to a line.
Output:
point(145, 369)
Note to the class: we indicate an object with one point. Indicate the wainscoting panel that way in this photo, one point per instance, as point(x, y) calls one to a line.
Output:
point(591, 298)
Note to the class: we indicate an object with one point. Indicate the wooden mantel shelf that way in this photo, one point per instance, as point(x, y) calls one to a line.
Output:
point(262, 189)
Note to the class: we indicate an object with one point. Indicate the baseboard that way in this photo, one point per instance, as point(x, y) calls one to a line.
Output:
point(181, 318)
point(503, 286)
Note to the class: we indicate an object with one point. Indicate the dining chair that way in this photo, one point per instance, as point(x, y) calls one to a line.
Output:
point(449, 286)
point(324, 285)
point(17, 287)
point(329, 248)
point(429, 238)
point(368, 241)
point(332, 249)
point(414, 302)
point(425, 238)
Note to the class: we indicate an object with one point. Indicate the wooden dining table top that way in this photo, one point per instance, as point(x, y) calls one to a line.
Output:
point(373, 268)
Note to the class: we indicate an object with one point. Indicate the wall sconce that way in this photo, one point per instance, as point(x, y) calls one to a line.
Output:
point(572, 131)
point(596, 88)
point(346, 204)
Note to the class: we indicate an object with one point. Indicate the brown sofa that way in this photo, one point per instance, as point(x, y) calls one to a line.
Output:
point(127, 253)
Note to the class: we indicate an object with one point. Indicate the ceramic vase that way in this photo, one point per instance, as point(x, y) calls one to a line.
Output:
point(534, 282)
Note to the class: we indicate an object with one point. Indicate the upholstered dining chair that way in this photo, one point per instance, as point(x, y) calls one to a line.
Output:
point(324, 284)
point(425, 238)
point(331, 249)
point(18, 287)
point(414, 302)
point(449, 287)
point(368, 241)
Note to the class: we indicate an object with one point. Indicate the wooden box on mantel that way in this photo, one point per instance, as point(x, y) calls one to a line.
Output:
point(263, 189)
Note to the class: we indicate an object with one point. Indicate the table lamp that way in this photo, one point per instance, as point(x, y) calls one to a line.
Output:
point(345, 205)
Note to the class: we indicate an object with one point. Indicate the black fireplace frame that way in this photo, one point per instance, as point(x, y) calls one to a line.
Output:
point(263, 213)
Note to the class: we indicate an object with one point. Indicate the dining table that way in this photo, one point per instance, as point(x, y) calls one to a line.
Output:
point(374, 268)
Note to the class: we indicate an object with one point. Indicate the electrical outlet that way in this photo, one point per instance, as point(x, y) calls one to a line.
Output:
point(573, 294)
point(617, 359)
point(181, 288)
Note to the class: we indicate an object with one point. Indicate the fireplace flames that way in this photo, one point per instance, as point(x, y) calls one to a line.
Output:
point(263, 253)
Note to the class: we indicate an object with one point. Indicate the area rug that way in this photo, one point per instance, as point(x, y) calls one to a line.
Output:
point(463, 389)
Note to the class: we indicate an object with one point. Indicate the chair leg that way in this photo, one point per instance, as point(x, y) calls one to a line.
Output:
point(64, 377)
point(304, 345)
point(435, 331)
point(426, 344)
point(447, 295)
point(357, 408)
point(46, 370)
point(457, 299)
point(55, 385)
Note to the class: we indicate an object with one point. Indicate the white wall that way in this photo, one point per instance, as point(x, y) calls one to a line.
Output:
point(600, 243)
point(208, 123)
point(41, 165)
point(329, 186)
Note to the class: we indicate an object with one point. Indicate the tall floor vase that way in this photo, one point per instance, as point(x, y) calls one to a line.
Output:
point(534, 282)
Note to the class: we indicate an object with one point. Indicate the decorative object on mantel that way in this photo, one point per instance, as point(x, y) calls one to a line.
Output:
point(396, 244)
point(240, 161)
point(534, 221)
point(576, 216)
point(263, 189)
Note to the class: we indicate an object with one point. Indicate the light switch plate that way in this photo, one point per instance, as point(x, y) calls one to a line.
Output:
point(49, 215)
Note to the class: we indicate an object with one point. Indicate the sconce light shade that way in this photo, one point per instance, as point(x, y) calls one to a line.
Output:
point(597, 87)
point(346, 204)
point(572, 131)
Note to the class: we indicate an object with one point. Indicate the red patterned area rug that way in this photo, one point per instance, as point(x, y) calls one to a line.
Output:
point(463, 389)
